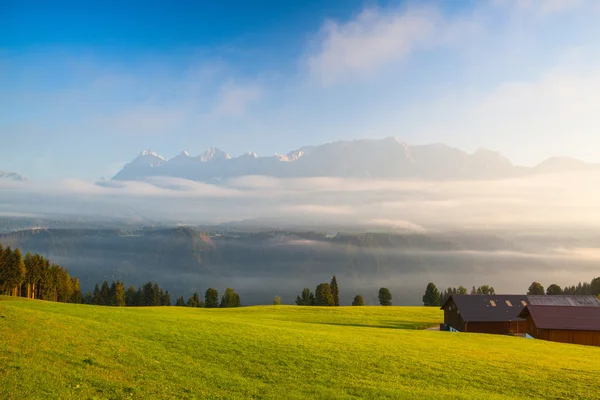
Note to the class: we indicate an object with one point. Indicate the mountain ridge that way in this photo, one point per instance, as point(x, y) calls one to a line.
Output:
point(388, 158)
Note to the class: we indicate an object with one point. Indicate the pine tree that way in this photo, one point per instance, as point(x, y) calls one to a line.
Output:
point(77, 296)
point(385, 297)
point(180, 302)
point(358, 301)
point(96, 296)
point(147, 294)
point(5, 270)
point(335, 291)
point(104, 294)
point(211, 298)
point(431, 297)
point(323, 295)
point(117, 294)
point(17, 272)
point(156, 295)
point(166, 299)
point(2, 269)
point(130, 296)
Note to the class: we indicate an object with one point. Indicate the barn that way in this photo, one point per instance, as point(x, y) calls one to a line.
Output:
point(497, 314)
point(565, 324)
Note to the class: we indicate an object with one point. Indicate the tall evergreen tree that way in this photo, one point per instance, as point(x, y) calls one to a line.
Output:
point(211, 298)
point(385, 297)
point(335, 291)
point(77, 296)
point(16, 273)
point(323, 295)
point(3, 269)
point(180, 302)
point(96, 296)
point(148, 294)
point(105, 294)
point(117, 294)
point(432, 296)
point(166, 299)
point(156, 295)
point(130, 296)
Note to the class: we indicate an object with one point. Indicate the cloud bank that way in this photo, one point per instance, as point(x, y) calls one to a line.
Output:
point(554, 201)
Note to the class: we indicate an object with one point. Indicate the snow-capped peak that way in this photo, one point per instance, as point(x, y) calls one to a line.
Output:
point(150, 153)
point(213, 154)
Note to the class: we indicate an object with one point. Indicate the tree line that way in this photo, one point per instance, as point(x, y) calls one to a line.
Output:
point(35, 277)
point(152, 295)
point(230, 298)
point(585, 288)
point(433, 297)
point(328, 294)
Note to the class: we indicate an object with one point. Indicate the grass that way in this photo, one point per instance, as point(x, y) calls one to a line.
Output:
point(62, 351)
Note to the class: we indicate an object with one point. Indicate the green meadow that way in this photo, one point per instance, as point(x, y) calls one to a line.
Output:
point(71, 351)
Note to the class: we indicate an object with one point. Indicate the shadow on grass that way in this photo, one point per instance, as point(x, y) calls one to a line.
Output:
point(392, 325)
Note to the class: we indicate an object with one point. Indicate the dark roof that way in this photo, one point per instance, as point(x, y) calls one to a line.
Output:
point(564, 300)
point(492, 308)
point(564, 317)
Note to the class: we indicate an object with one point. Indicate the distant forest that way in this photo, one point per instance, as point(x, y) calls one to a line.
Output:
point(34, 276)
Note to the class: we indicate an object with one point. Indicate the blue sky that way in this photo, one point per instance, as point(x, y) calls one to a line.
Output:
point(86, 86)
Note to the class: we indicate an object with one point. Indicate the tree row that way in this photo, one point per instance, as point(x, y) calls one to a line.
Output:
point(34, 277)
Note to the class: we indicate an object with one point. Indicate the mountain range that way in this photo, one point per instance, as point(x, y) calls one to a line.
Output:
point(387, 158)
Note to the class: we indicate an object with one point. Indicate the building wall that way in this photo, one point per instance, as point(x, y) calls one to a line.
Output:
point(588, 338)
point(499, 328)
point(452, 317)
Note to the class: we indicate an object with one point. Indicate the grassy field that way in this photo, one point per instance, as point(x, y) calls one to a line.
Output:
point(62, 351)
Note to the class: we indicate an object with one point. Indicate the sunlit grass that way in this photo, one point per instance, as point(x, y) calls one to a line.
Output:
point(50, 350)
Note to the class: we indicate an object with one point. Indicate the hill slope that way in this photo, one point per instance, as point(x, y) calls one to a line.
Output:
point(51, 350)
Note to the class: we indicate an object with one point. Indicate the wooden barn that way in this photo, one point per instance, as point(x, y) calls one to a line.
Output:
point(565, 324)
point(497, 314)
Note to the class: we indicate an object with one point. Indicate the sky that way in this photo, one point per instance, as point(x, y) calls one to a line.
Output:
point(86, 86)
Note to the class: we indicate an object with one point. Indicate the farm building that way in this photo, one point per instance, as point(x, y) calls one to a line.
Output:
point(565, 324)
point(485, 314)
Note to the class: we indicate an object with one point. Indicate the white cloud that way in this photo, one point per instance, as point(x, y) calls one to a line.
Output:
point(544, 6)
point(234, 99)
point(373, 39)
point(555, 114)
point(557, 201)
